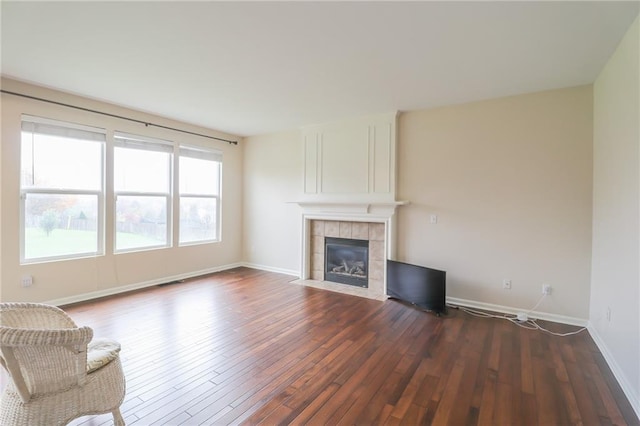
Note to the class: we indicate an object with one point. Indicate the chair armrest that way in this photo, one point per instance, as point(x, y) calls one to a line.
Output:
point(59, 337)
point(34, 315)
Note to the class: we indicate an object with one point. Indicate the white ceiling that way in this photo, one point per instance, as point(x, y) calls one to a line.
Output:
point(257, 67)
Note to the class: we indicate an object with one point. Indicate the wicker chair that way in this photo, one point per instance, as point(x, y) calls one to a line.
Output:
point(57, 373)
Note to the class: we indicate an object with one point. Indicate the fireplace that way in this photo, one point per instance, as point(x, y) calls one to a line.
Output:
point(372, 234)
point(373, 223)
point(347, 261)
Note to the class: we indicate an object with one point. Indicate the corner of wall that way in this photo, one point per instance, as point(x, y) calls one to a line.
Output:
point(615, 274)
point(618, 372)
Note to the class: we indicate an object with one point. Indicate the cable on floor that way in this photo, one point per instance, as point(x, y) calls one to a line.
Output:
point(529, 324)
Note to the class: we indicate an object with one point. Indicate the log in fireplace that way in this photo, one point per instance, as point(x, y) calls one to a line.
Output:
point(347, 261)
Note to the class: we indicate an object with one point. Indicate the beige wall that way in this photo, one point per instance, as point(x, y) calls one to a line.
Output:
point(74, 279)
point(510, 182)
point(615, 280)
point(273, 167)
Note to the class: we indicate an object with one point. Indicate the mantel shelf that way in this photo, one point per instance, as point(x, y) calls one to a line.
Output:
point(349, 207)
point(307, 203)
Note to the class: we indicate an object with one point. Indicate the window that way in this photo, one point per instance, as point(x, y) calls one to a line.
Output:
point(199, 183)
point(61, 190)
point(142, 187)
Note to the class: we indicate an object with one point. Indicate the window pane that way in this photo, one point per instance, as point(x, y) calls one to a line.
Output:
point(57, 162)
point(141, 170)
point(141, 221)
point(198, 176)
point(198, 219)
point(58, 225)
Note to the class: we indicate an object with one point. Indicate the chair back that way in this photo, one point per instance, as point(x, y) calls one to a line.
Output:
point(42, 348)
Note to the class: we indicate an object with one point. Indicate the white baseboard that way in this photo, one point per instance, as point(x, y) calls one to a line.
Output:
point(563, 319)
point(623, 381)
point(137, 286)
point(272, 269)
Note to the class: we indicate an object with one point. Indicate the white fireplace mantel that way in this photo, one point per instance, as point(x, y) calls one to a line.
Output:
point(356, 211)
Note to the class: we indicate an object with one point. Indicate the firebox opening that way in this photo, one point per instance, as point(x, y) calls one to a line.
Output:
point(347, 261)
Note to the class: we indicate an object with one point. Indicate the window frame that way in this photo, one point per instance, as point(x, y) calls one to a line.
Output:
point(25, 191)
point(132, 141)
point(209, 154)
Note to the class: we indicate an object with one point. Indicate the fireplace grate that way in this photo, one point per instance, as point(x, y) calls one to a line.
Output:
point(347, 261)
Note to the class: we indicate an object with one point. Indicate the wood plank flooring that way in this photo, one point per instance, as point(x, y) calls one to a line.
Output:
point(247, 347)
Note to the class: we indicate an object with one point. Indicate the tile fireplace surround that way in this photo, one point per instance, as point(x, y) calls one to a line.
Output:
point(372, 222)
point(370, 231)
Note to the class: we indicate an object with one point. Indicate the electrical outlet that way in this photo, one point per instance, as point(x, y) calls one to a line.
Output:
point(546, 289)
point(506, 284)
point(608, 313)
point(27, 281)
point(433, 219)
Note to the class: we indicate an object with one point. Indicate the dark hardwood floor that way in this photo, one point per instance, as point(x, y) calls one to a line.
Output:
point(247, 347)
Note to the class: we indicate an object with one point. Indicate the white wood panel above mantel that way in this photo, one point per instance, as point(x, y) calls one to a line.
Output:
point(352, 158)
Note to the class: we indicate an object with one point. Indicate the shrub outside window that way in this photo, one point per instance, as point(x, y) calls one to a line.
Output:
point(199, 184)
point(61, 190)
